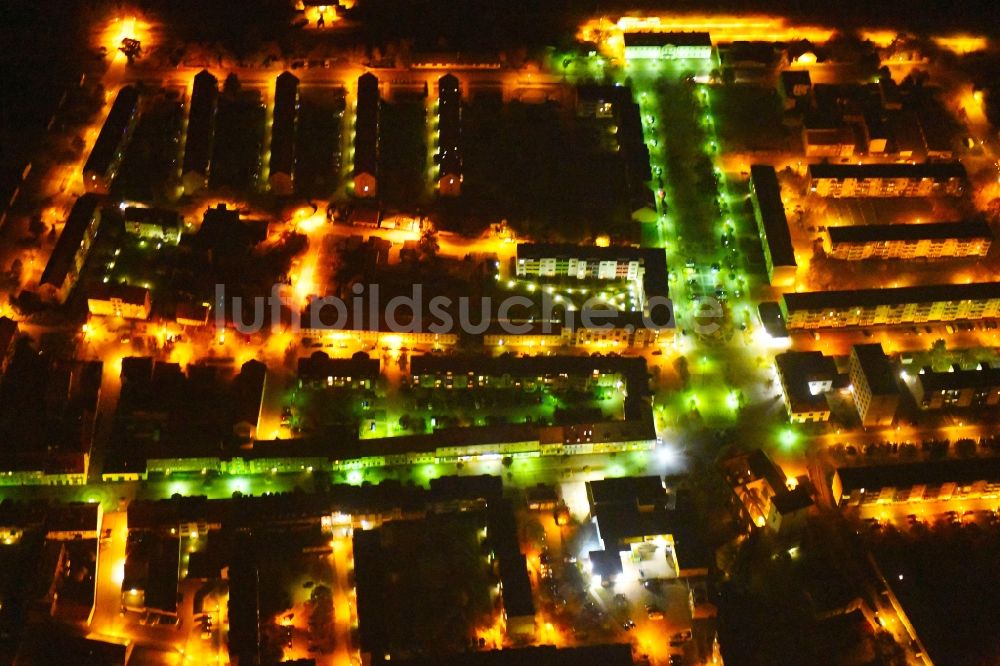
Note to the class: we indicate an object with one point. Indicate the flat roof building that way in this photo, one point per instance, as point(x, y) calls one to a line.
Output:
point(888, 307)
point(772, 225)
point(806, 378)
point(106, 155)
point(909, 241)
point(888, 180)
point(319, 370)
point(873, 379)
point(286, 107)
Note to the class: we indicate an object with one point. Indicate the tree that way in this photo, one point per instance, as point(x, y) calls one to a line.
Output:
point(132, 48)
point(428, 244)
point(321, 613)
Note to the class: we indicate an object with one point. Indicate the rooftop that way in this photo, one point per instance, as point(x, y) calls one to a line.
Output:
point(821, 300)
point(940, 171)
point(764, 183)
point(936, 472)
point(876, 368)
point(667, 39)
point(905, 232)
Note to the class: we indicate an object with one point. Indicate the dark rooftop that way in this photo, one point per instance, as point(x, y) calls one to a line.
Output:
point(113, 131)
point(773, 223)
point(286, 97)
point(940, 171)
point(820, 300)
point(797, 369)
point(877, 369)
point(366, 124)
point(201, 123)
point(667, 38)
point(73, 233)
point(929, 473)
point(904, 232)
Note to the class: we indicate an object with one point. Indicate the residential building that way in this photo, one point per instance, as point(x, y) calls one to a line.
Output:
point(319, 370)
point(909, 241)
point(71, 250)
point(668, 46)
point(772, 225)
point(157, 224)
point(106, 155)
point(958, 388)
point(873, 380)
point(940, 481)
point(119, 300)
point(763, 497)
point(891, 306)
point(200, 132)
point(191, 314)
point(449, 156)
point(888, 180)
point(806, 378)
point(286, 108)
point(366, 137)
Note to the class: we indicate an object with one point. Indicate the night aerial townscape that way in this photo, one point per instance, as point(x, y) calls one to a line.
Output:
point(499, 332)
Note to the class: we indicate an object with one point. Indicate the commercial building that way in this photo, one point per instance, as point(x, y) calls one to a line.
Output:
point(886, 307)
point(888, 180)
point(645, 532)
point(157, 224)
point(200, 132)
point(873, 380)
point(763, 497)
point(957, 387)
point(806, 378)
point(909, 241)
point(119, 300)
point(772, 225)
point(449, 156)
point(286, 109)
point(668, 46)
point(71, 250)
point(950, 480)
point(366, 137)
point(106, 155)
